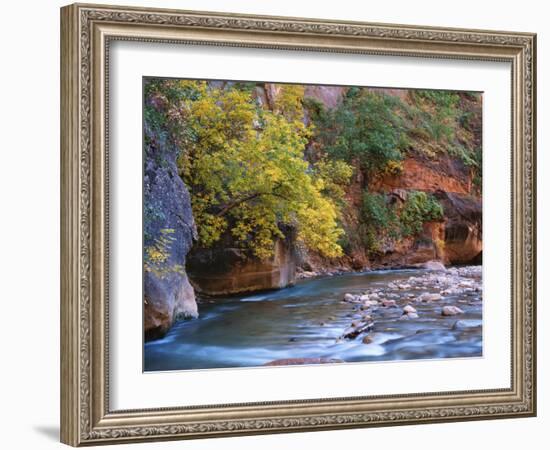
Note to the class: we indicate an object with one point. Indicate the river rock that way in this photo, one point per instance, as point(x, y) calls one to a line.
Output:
point(412, 315)
point(450, 310)
point(409, 309)
point(389, 303)
point(367, 339)
point(307, 274)
point(465, 324)
point(369, 304)
point(349, 297)
point(434, 266)
point(353, 332)
point(427, 297)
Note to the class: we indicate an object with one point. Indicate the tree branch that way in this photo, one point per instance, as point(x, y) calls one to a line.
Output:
point(228, 207)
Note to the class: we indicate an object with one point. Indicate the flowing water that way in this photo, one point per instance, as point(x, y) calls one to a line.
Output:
point(308, 320)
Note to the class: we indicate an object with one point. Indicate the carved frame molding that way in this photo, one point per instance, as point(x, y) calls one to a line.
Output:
point(86, 31)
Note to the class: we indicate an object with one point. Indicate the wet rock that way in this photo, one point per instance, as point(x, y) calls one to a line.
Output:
point(353, 332)
point(306, 274)
point(465, 324)
point(434, 266)
point(389, 304)
point(349, 298)
point(427, 297)
point(367, 339)
point(409, 309)
point(369, 304)
point(450, 310)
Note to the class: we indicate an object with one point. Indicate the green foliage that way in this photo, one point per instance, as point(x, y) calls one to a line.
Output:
point(376, 210)
point(381, 219)
point(467, 156)
point(441, 99)
point(245, 168)
point(336, 176)
point(378, 218)
point(418, 209)
point(477, 157)
point(435, 113)
point(366, 128)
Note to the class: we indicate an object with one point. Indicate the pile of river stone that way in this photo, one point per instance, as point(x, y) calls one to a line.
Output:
point(430, 287)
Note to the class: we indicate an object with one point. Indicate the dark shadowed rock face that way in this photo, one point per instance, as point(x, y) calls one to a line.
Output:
point(168, 222)
point(227, 270)
point(463, 228)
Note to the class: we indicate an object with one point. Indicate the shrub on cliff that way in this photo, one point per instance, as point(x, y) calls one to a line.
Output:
point(366, 128)
point(378, 218)
point(382, 219)
point(418, 209)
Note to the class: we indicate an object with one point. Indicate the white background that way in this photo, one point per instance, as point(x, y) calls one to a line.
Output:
point(29, 228)
point(132, 389)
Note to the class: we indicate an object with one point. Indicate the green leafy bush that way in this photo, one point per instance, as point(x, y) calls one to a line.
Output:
point(434, 112)
point(380, 219)
point(366, 128)
point(418, 209)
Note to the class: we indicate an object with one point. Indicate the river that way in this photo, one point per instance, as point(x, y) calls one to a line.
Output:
point(309, 319)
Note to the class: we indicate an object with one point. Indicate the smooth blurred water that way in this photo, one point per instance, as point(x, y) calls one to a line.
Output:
point(306, 320)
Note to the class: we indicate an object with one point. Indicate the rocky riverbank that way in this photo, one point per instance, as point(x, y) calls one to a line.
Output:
point(443, 290)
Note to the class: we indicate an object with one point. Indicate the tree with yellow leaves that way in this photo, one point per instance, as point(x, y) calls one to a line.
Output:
point(245, 166)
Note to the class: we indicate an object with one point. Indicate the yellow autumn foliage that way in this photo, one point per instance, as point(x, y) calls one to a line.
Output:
point(246, 170)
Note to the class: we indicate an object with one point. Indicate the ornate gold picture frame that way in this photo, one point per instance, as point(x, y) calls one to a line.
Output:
point(87, 31)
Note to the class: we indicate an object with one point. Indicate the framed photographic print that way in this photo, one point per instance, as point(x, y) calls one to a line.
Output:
point(275, 224)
